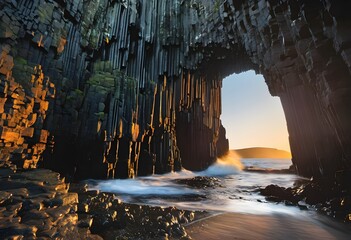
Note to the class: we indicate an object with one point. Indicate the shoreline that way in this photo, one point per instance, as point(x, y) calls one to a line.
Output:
point(38, 203)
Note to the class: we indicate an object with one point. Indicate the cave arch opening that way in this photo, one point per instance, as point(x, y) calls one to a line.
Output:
point(250, 115)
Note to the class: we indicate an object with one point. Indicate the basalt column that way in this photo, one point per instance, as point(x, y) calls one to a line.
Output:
point(125, 73)
point(198, 122)
point(104, 89)
point(308, 67)
point(302, 49)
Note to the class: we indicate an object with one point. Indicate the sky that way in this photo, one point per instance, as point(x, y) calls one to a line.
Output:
point(250, 115)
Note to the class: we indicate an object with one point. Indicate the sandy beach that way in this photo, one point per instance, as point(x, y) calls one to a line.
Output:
point(260, 227)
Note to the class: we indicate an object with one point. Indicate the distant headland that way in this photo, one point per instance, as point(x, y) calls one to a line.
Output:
point(262, 152)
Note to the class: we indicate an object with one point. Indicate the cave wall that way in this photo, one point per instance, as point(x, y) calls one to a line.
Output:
point(308, 66)
point(133, 87)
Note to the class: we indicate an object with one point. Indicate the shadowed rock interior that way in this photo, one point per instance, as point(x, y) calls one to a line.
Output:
point(106, 89)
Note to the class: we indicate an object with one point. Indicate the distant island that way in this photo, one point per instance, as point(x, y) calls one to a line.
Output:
point(262, 152)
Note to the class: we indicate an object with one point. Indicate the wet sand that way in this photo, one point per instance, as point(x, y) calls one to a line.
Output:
point(271, 227)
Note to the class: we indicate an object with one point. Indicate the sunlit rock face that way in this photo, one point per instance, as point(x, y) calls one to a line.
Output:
point(132, 88)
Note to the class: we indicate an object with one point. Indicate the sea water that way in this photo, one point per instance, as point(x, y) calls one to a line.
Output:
point(236, 190)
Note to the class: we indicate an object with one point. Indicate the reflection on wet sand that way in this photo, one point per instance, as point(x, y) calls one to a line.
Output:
point(260, 227)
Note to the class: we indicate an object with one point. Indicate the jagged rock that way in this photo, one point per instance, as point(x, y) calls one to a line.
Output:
point(111, 218)
point(328, 198)
point(63, 200)
point(200, 182)
point(85, 221)
point(19, 192)
point(278, 194)
point(4, 196)
point(24, 211)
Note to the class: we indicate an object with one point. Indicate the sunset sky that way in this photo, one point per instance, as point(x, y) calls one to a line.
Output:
point(251, 116)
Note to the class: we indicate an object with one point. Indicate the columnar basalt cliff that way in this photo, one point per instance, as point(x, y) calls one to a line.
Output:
point(134, 87)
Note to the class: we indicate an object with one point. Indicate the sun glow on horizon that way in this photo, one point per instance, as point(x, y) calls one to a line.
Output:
point(250, 115)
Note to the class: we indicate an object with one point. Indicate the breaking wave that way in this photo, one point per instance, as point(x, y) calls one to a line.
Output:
point(165, 185)
point(229, 164)
point(142, 187)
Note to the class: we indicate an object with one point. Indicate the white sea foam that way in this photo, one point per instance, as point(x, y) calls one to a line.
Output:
point(162, 185)
point(235, 193)
point(142, 187)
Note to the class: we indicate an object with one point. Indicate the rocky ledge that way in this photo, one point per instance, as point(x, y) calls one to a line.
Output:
point(334, 200)
point(38, 204)
point(200, 182)
point(290, 170)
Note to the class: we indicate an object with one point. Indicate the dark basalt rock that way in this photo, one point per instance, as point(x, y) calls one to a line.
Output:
point(330, 199)
point(59, 214)
point(277, 194)
point(104, 89)
point(200, 182)
point(290, 170)
point(26, 214)
point(111, 218)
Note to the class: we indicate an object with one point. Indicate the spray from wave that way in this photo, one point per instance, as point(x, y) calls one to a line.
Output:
point(165, 185)
point(227, 165)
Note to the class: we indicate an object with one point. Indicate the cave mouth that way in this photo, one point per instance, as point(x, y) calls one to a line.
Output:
point(250, 115)
point(143, 92)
